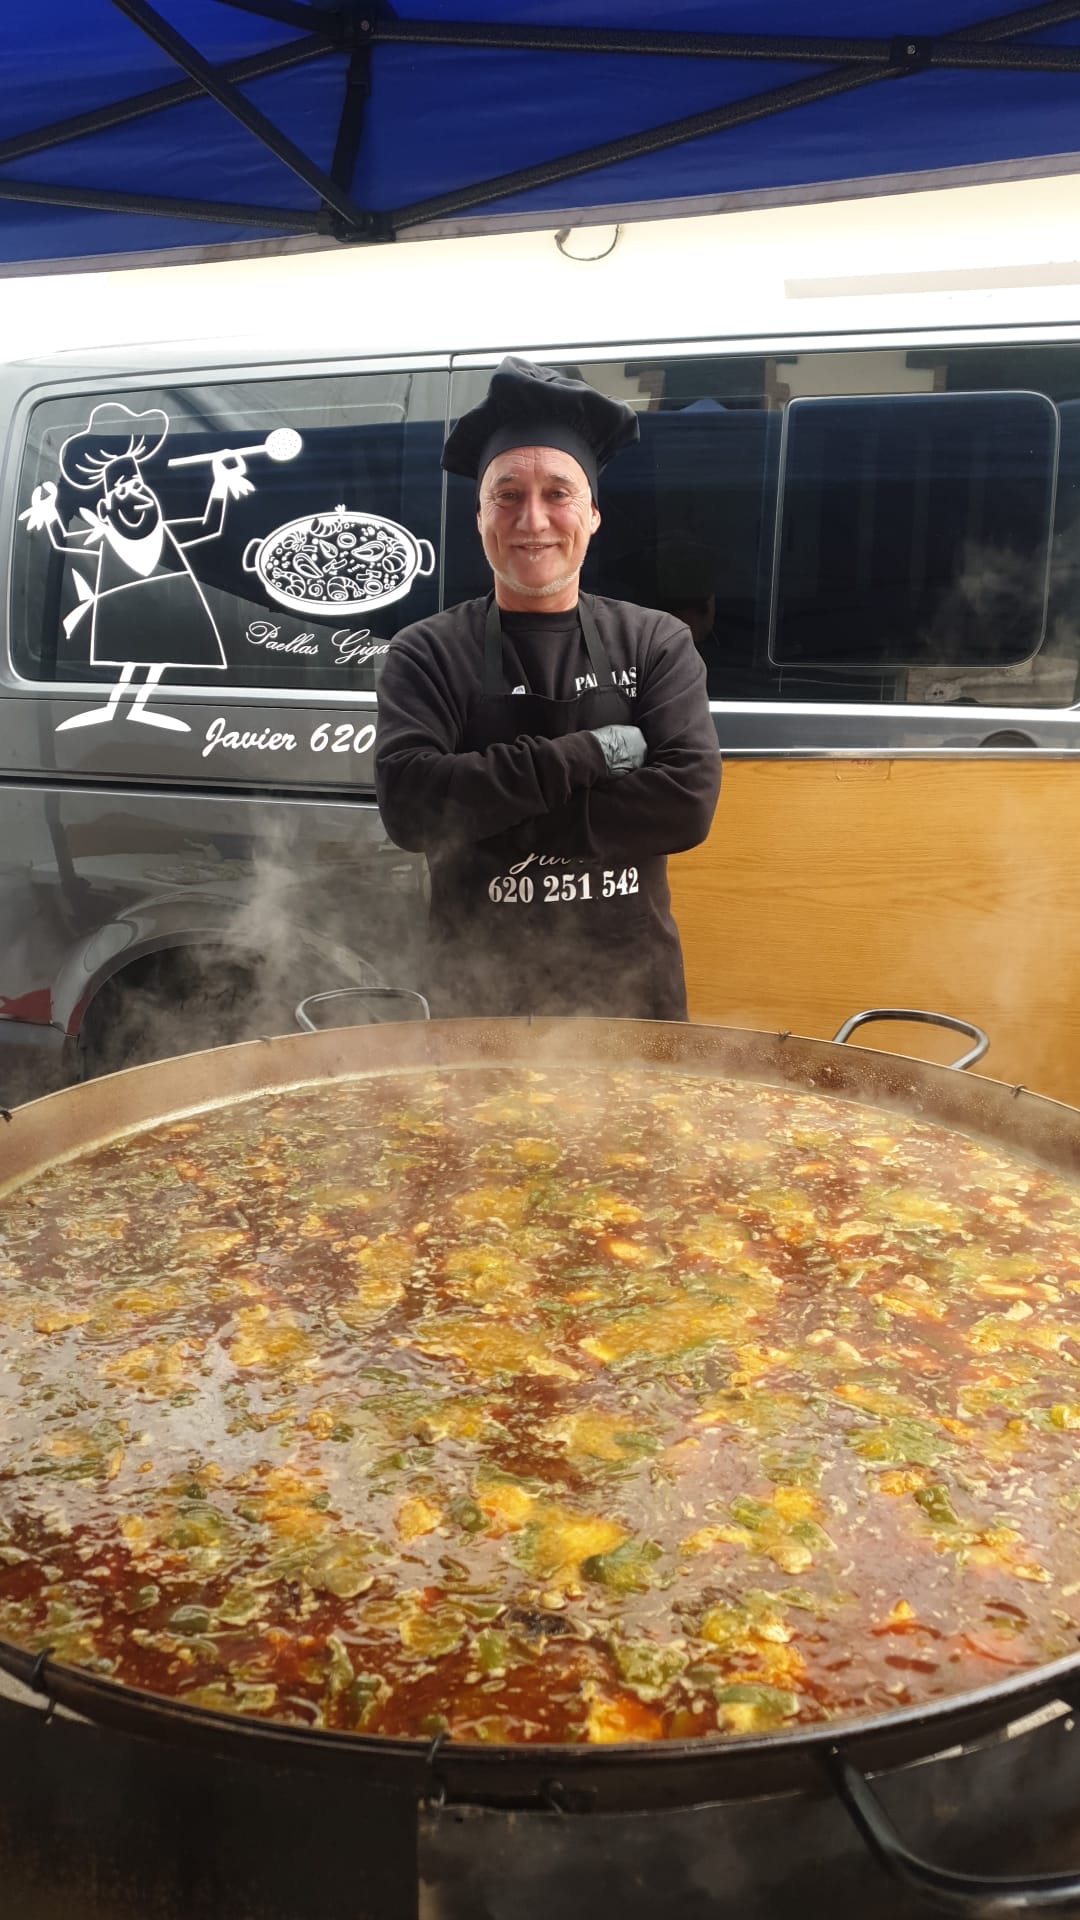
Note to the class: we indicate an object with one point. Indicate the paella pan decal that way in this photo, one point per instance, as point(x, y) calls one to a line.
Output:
point(340, 562)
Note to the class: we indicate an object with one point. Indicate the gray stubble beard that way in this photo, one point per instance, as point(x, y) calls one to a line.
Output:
point(536, 593)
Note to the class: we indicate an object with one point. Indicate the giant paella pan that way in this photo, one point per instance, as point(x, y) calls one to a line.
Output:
point(601, 1414)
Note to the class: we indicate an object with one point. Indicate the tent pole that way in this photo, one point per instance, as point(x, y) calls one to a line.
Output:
point(151, 23)
point(286, 220)
point(330, 22)
point(351, 123)
point(962, 50)
point(121, 112)
point(672, 133)
point(907, 57)
point(971, 47)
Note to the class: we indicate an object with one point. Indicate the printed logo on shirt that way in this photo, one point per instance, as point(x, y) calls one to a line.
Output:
point(519, 689)
point(625, 680)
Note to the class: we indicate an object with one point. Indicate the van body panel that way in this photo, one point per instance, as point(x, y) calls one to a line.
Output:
point(34, 1060)
point(827, 886)
point(271, 743)
point(306, 894)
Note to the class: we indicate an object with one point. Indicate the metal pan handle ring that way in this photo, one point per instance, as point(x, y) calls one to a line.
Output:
point(979, 1896)
point(981, 1039)
point(308, 1025)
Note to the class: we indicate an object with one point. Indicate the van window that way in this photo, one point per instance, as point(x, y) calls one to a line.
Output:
point(274, 533)
point(914, 531)
point(924, 557)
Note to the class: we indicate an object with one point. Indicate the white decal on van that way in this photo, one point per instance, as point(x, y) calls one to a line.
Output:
point(342, 736)
point(242, 739)
point(339, 562)
point(141, 587)
point(352, 645)
point(263, 633)
point(358, 646)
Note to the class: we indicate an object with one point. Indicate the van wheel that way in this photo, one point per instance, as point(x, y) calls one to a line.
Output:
point(170, 1003)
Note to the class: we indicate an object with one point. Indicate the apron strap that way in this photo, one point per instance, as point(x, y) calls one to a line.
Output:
point(603, 671)
point(494, 679)
point(494, 682)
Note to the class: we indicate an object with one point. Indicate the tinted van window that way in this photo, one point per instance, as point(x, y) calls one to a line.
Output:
point(274, 533)
point(914, 530)
point(925, 557)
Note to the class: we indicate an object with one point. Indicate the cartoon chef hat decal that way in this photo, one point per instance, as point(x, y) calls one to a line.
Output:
point(113, 432)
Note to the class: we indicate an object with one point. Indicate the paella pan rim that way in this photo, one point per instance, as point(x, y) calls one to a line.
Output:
point(45, 1132)
point(609, 1777)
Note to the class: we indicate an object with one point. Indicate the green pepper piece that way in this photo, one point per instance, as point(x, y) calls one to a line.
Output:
point(937, 1506)
point(626, 1569)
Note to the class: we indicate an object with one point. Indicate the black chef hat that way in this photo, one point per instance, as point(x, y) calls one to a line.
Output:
point(531, 406)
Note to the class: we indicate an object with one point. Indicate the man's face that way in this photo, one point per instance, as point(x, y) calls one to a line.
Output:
point(536, 518)
point(128, 506)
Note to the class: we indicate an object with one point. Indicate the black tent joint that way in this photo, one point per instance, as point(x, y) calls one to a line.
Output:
point(913, 55)
point(369, 229)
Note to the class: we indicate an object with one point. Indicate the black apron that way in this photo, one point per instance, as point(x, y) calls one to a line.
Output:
point(513, 933)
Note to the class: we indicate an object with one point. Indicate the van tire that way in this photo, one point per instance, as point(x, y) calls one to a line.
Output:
point(177, 1001)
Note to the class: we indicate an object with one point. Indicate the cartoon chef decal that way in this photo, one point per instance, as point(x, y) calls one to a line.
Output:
point(143, 602)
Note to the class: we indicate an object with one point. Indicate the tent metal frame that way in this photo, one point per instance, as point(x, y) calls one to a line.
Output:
point(842, 65)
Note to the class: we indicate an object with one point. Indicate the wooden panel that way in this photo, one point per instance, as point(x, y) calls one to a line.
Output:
point(827, 886)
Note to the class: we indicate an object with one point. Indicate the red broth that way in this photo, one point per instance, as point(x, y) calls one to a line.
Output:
point(563, 1406)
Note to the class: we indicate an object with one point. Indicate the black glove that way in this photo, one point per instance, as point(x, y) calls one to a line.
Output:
point(623, 748)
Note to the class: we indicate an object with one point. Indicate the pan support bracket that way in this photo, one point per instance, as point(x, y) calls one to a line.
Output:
point(943, 1889)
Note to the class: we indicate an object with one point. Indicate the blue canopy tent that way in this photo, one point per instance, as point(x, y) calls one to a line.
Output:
point(125, 130)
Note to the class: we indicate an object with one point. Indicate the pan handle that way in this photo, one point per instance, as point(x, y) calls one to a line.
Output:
point(978, 1896)
point(981, 1039)
point(308, 1025)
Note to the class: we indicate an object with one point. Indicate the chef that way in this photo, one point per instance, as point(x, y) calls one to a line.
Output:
point(544, 748)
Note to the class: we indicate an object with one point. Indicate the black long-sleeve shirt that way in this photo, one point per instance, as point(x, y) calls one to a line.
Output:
point(549, 889)
point(552, 796)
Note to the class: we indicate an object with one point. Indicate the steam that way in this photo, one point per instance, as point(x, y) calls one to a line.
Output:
point(314, 899)
point(998, 592)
